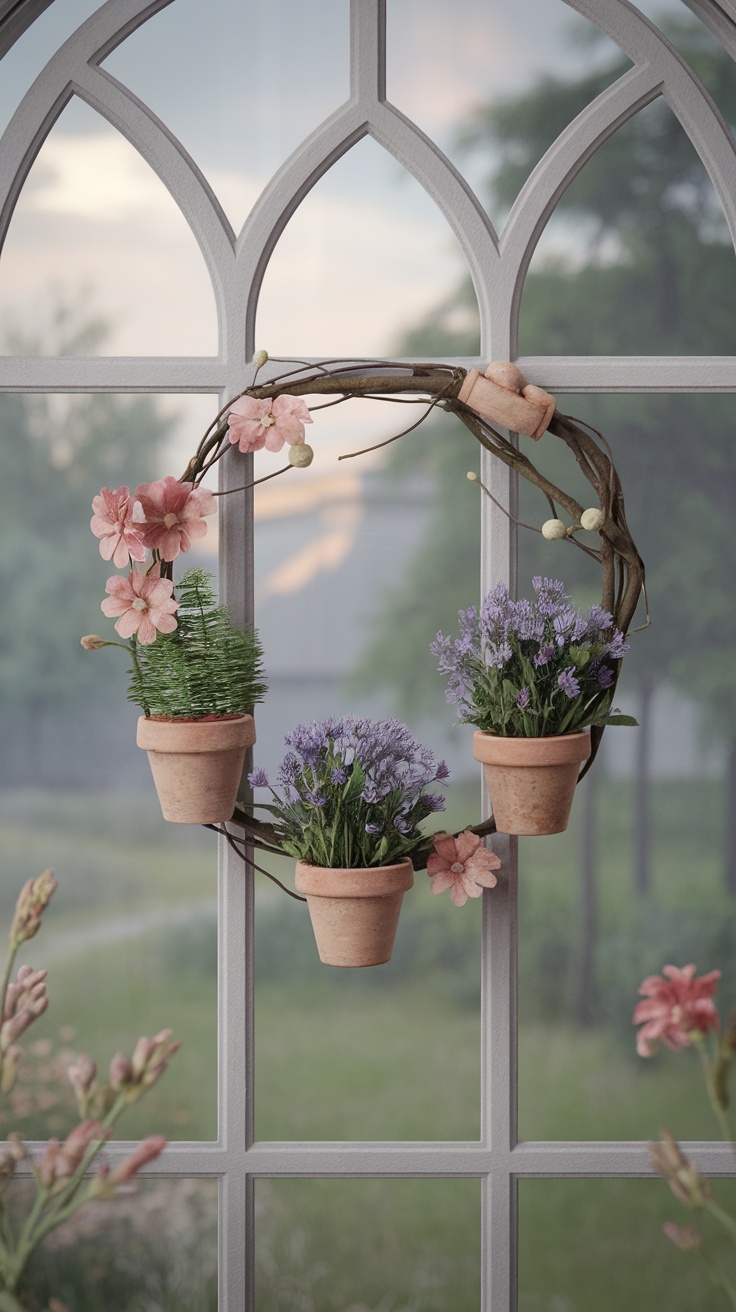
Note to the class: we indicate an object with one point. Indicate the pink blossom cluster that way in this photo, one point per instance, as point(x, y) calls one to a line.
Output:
point(677, 1008)
point(60, 1161)
point(25, 1001)
point(128, 1077)
point(163, 517)
point(254, 424)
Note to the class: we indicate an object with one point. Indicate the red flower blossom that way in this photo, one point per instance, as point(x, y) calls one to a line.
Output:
point(675, 1009)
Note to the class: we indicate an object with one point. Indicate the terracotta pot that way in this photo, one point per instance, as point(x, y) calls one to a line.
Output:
point(196, 765)
point(354, 913)
point(531, 780)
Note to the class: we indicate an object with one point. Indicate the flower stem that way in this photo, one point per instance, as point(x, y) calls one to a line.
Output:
point(718, 1111)
point(723, 1217)
point(12, 951)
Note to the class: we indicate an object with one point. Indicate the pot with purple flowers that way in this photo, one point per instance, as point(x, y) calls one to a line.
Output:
point(351, 795)
point(533, 676)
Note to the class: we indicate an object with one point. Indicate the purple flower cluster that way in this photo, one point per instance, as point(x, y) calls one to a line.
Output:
point(517, 666)
point(353, 791)
point(390, 758)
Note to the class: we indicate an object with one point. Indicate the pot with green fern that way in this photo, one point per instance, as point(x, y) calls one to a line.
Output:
point(197, 678)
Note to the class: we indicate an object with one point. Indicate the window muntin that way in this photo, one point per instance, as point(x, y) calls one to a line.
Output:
point(496, 285)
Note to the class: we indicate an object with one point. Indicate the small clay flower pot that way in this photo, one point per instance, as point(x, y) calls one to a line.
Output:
point(196, 764)
point(354, 913)
point(531, 781)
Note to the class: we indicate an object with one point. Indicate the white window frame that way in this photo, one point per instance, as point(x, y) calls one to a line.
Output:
point(498, 268)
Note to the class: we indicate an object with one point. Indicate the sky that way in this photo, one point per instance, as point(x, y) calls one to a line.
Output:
point(93, 213)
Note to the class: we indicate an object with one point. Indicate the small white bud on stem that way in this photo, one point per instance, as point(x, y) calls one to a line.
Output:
point(301, 455)
point(553, 529)
point(592, 519)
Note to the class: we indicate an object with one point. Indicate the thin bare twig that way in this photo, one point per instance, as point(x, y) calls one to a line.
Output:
point(233, 843)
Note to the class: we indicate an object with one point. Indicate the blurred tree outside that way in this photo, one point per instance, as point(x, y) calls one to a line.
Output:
point(643, 265)
point(57, 453)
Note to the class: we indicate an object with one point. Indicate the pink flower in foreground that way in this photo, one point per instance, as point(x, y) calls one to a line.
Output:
point(25, 1001)
point(463, 865)
point(60, 1161)
point(173, 514)
point(685, 1237)
point(120, 536)
point(146, 1151)
point(675, 1009)
point(145, 606)
point(254, 424)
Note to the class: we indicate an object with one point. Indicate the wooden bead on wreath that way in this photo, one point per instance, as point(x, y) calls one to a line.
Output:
point(491, 405)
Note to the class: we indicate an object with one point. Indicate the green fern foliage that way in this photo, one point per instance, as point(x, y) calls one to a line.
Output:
point(205, 667)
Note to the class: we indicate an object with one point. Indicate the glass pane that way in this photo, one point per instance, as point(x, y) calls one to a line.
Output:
point(366, 255)
point(248, 84)
point(700, 48)
point(93, 218)
point(130, 936)
point(156, 1248)
point(637, 258)
point(348, 599)
point(339, 1244)
point(25, 59)
point(599, 1244)
point(464, 73)
point(644, 877)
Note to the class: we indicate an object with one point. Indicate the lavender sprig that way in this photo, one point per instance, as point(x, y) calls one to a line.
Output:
point(532, 668)
point(352, 792)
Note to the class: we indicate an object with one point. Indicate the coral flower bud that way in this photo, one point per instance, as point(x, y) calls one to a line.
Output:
point(260, 358)
point(592, 519)
point(91, 642)
point(301, 455)
point(552, 529)
point(32, 901)
point(121, 1071)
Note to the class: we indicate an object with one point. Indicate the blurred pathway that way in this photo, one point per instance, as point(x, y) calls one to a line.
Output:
point(116, 929)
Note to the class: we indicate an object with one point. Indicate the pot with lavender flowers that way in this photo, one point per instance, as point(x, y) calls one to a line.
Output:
point(533, 676)
point(352, 794)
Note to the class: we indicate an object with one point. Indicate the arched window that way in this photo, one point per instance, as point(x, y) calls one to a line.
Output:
point(176, 191)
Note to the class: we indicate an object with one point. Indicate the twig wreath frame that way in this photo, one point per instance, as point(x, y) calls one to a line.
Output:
point(446, 387)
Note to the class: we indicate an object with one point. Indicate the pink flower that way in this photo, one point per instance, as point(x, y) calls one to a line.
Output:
point(254, 424)
point(463, 865)
point(82, 1075)
point(174, 514)
point(675, 1009)
point(112, 522)
point(60, 1161)
point(145, 605)
point(33, 899)
point(25, 1001)
point(685, 1237)
point(145, 1152)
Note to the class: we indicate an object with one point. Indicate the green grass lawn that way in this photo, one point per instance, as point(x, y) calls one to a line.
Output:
point(387, 1053)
